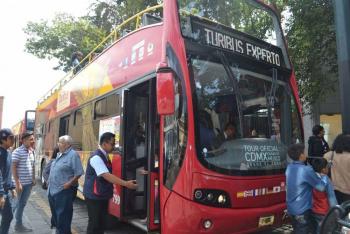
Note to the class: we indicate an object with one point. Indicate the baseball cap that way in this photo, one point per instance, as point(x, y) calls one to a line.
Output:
point(5, 133)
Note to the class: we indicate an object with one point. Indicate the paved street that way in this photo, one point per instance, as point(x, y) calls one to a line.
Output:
point(37, 216)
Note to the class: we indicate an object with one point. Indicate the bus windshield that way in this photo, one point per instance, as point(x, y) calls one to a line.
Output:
point(245, 119)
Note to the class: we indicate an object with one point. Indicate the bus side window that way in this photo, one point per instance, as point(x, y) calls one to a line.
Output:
point(175, 136)
point(107, 106)
point(64, 126)
point(104, 108)
point(77, 129)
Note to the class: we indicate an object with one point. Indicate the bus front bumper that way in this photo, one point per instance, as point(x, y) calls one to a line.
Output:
point(185, 216)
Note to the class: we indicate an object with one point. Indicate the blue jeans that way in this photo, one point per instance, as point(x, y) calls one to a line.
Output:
point(318, 220)
point(7, 216)
point(21, 202)
point(61, 205)
point(303, 223)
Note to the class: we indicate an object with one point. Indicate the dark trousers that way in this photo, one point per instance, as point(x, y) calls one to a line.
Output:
point(303, 223)
point(7, 216)
point(61, 205)
point(341, 197)
point(97, 212)
point(318, 218)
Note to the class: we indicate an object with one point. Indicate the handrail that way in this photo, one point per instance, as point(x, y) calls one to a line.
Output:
point(113, 36)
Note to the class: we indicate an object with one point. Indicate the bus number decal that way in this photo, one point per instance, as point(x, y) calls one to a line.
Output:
point(116, 199)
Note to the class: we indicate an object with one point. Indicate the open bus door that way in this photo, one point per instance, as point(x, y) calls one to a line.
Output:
point(139, 207)
point(153, 212)
point(153, 201)
point(115, 204)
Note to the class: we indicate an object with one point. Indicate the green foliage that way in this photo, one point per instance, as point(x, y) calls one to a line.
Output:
point(61, 37)
point(239, 14)
point(108, 14)
point(66, 34)
point(312, 44)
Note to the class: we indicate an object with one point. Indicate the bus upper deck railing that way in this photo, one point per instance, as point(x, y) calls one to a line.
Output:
point(116, 34)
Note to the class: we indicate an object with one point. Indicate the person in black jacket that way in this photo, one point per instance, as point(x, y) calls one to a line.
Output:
point(6, 183)
point(318, 146)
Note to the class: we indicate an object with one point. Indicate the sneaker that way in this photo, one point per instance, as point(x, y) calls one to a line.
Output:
point(22, 228)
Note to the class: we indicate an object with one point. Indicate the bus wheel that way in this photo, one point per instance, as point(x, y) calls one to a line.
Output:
point(43, 182)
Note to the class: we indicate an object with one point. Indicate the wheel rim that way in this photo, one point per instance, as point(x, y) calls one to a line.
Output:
point(42, 179)
point(42, 175)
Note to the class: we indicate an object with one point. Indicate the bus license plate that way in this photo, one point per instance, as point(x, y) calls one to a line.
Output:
point(265, 221)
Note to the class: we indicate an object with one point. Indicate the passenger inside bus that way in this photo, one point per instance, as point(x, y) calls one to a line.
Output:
point(228, 134)
point(254, 133)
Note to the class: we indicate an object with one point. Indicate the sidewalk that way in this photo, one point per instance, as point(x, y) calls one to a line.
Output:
point(37, 216)
point(34, 217)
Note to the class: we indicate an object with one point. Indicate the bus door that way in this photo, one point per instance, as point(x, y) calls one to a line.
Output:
point(118, 121)
point(153, 201)
point(138, 206)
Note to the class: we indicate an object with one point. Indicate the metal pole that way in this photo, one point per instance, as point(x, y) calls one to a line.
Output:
point(342, 24)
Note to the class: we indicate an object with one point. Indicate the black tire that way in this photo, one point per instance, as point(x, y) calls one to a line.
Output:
point(42, 180)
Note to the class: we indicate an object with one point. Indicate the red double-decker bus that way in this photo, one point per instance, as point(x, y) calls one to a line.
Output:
point(26, 124)
point(203, 101)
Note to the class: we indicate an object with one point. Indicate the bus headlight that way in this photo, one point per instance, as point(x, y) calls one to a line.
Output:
point(212, 197)
point(198, 194)
point(207, 224)
point(222, 199)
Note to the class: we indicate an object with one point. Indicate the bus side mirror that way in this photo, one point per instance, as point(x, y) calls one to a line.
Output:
point(165, 92)
point(29, 120)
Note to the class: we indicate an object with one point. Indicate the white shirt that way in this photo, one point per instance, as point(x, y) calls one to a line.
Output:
point(97, 163)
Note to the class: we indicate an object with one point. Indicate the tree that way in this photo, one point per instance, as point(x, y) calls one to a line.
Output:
point(108, 14)
point(66, 34)
point(61, 37)
point(312, 44)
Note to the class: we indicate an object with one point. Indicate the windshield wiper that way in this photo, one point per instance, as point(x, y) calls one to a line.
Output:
point(239, 99)
point(272, 95)
point(215, 153)
point(270, 98)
